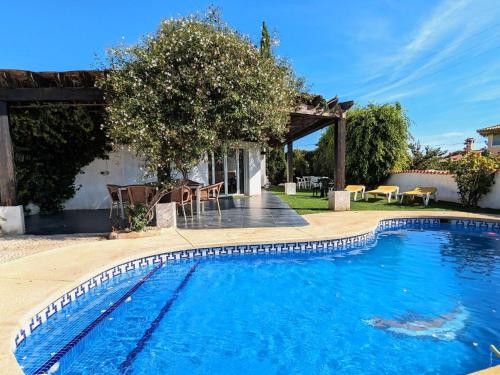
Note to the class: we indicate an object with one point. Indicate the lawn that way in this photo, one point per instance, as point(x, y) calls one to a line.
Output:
point(304, 203)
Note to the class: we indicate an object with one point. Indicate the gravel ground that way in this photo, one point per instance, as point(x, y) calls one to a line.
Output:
point(13, 247)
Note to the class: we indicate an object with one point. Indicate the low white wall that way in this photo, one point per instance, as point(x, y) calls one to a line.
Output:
point(11, 220)
point(446, 185)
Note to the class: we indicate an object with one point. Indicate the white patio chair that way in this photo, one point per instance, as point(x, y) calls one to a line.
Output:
point(307, 182)
point(301, 183)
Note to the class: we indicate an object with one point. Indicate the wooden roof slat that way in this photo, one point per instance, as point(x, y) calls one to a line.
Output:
point(12, 78)
point(52, 94)
point(308, 118)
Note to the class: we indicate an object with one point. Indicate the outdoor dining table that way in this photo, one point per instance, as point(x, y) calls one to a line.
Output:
point(196, 191)
point(123, 190)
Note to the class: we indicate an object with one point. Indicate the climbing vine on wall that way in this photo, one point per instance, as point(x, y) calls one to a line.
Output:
point(52, 143)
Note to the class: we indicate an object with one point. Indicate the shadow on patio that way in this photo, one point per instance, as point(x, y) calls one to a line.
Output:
point(266, 210)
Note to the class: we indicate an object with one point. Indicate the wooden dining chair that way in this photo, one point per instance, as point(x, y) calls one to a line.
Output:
point(114, 191)
point(182, 196)
point(211, 193)
point(140, 194)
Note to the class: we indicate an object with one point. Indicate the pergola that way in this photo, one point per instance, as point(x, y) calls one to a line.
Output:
point(23, 88)
point(308, 118)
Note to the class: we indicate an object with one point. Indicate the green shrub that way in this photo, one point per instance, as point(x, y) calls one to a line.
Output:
point(425, 158)
point(474, 175)
point(52, 143)
point(138, 217)
point(301, 165)
point(276, 165)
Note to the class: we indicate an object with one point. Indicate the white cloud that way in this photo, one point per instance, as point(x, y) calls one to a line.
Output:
point(448, 140)
point(453, 33)
point(394, 96)
point(486, 94)
point(445, 18)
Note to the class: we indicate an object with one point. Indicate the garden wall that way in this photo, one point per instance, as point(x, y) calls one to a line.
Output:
point(446, 185)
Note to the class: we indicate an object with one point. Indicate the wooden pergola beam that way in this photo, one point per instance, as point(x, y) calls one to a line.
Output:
point(310, 125)
point(7, 174)
point(289, 162)
point(340, 148)
point(52, 94)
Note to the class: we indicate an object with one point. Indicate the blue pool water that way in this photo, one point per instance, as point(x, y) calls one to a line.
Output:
point(414, 301)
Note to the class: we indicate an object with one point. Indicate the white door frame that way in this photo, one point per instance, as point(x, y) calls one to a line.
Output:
point(245, 171)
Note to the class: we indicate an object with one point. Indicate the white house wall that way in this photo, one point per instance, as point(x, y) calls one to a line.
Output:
point(198, 173)
point(263, 170)
point(446, 185)
point(122, 168)
point(254, 173)
point(495, 150)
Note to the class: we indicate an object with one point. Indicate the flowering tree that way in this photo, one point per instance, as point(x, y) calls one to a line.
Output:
point(193, 85)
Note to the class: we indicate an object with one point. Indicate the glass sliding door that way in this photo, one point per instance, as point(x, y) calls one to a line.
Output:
point(232, 171)
point(228, 167)
point(241, 171)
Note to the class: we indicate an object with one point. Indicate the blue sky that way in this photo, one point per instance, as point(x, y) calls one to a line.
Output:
point(439, 59)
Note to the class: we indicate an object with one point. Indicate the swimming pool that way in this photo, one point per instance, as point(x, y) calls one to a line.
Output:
point(419, 297)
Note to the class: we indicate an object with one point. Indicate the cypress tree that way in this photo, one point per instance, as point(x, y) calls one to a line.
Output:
point(265, 42)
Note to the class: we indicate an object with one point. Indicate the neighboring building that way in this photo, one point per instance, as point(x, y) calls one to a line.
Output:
point(493, 135)
point(468, 147)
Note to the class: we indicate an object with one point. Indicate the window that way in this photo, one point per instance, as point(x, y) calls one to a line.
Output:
point(496, 140)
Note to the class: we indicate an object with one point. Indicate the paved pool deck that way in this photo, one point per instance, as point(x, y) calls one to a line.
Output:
point(29, 283)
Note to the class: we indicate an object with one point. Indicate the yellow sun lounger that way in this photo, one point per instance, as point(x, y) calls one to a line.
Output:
point(356, 189)
point(425, 192)
point(388, 190)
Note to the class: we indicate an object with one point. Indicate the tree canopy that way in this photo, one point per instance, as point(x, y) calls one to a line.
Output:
point(192, 86)
point(427, 158)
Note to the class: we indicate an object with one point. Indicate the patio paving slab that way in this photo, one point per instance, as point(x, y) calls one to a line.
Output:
point(266, 210)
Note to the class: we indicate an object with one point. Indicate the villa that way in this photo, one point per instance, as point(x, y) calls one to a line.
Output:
point(336, 260)
point(493, 135)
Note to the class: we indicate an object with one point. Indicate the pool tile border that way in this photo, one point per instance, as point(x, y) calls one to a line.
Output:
point(319, 246)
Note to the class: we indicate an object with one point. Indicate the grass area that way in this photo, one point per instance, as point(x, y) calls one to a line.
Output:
point(304, 203)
